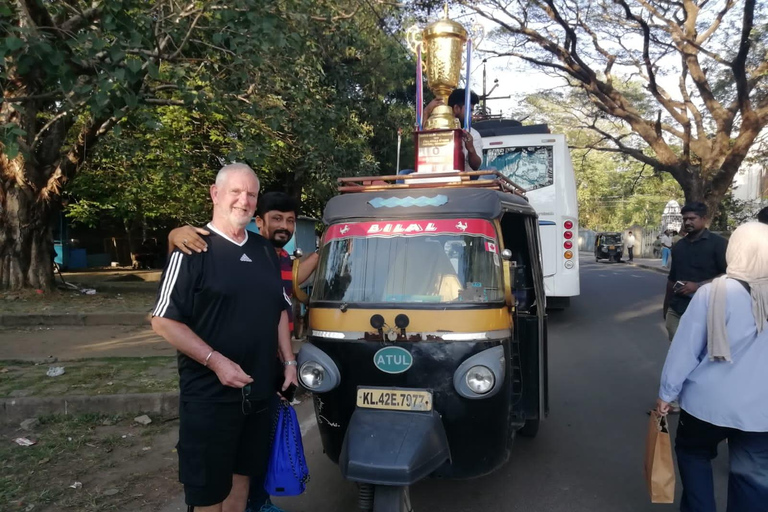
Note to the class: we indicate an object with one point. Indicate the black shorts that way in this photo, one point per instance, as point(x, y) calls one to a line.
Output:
point(216, 440)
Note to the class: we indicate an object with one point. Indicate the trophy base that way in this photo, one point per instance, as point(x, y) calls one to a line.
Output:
point(442, 118)
point(439, 151)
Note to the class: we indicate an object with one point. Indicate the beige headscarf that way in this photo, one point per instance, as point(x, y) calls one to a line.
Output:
point(747, 258)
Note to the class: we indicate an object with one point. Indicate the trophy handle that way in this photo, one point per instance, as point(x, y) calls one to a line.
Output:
point(414, 36)
point(476, 33)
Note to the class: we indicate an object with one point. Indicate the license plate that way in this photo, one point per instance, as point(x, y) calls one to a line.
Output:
point(612, 247)
point(394, 399)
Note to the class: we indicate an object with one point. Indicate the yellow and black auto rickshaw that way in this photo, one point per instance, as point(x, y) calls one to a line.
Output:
point(609, 246)
point(426, 350)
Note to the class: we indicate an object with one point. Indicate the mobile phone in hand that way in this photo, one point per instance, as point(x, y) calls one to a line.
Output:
point(678, 286)
point(289, 393)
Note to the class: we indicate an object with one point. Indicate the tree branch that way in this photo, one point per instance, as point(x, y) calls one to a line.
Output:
point(339, 17)
point(162, 101)
point(186, 36)
point(653, 87)
point(739, 63)
point(715, 23)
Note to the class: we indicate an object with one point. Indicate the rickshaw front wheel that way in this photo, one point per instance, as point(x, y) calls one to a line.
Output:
point(387, 498)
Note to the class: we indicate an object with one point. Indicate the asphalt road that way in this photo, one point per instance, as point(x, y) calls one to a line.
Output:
point(606, 353)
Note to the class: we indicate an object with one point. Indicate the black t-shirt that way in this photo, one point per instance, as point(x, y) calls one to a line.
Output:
point(232, 297)
point(696, 260)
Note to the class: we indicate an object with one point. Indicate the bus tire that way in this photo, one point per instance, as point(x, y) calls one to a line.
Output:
point(389, 498)
point(558, 303)
point(530, 429)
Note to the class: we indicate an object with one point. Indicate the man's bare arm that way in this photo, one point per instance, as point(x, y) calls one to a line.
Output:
point(190, 344)
point(667, 296)
point(307, 266)
point(285, 351)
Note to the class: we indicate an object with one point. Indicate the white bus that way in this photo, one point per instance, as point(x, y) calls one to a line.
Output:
point(540, 162)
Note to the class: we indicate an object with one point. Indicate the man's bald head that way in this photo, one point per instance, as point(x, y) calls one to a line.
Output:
point(229, 169)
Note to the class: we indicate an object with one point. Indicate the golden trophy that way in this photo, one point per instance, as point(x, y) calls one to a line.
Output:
point(439, 146)
point(442, 44)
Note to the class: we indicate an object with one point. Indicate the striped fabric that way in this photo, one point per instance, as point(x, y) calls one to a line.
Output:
point(169, 281)
point(286, 274)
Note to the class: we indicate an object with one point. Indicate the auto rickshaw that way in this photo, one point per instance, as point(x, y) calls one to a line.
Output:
point(608, 246)
point(426, 350)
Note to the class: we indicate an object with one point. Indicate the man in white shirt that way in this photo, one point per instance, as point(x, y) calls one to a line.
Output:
point(666, 248)
point(473, 141)
point(630, 245)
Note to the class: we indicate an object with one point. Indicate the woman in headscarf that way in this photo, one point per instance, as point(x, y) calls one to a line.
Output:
point(717, 366)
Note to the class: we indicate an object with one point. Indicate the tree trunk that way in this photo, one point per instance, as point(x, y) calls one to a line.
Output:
point(26, 239)
point(699, 189)
point(131, 244)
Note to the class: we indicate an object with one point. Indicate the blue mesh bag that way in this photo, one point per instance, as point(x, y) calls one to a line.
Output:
point(287, 474)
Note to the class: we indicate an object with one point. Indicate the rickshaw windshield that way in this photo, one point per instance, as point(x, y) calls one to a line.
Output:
point(610, 239)
point(423, 261)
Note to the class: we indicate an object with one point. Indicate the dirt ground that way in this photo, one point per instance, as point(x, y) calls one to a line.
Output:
point(89, 463)
point(138, 299)
point(68, 343)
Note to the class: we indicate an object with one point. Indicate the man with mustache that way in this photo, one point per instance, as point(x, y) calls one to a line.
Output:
point(276, 220)
point(697, 259)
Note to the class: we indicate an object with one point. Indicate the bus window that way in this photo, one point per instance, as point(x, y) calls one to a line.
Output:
point(530, 167)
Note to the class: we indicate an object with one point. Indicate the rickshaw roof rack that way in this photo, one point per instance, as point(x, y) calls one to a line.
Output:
point(484, 179)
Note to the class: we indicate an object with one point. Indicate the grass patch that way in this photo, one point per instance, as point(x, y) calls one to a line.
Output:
point(100, 451)
point(107, 376)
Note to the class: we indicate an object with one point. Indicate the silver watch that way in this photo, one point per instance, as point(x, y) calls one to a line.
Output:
point(290, 363)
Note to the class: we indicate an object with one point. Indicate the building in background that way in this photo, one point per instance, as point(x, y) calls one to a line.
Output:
point(671, 218)
point(750, 185)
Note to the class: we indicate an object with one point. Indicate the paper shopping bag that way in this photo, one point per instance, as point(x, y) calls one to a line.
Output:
point(659, 466)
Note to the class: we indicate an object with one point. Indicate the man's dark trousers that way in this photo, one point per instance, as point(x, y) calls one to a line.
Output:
point(696, 445)
point(631, 251)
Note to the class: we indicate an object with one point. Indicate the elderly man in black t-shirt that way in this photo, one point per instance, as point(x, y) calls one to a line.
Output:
point(225, 312)
point(697, 259)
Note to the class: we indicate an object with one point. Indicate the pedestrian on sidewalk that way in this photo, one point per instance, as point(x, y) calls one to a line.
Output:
point(697, 258)
point(666, 248)
point(716, 367)
point(224, 310)
point(631, 246)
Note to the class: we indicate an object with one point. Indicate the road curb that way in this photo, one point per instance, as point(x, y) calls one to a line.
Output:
point(649, 267)
point(18, 409)
point(74, 319)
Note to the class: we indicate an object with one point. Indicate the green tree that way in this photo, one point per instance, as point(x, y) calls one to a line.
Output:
point(148, 177)
point(291, 81)
point(614, 191)
point(700, 128)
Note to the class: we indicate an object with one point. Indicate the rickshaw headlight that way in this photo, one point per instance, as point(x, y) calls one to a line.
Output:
point(480, 379)
point(311, 375)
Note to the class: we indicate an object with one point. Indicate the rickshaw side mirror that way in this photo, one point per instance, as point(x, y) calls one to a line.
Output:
point(300, 295)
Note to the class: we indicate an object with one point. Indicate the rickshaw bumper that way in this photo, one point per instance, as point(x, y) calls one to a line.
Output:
point(393, 447)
